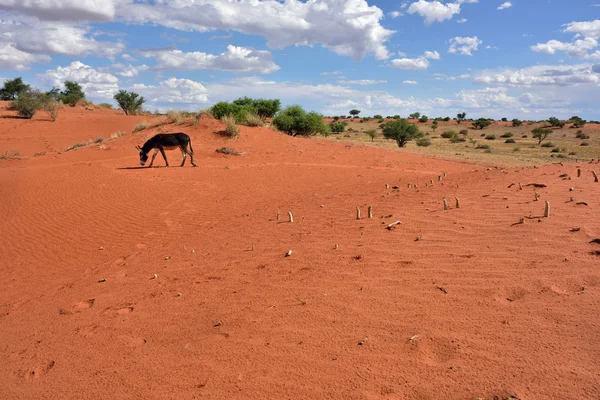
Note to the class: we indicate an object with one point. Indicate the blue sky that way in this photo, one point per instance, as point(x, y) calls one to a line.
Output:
point(525, 58)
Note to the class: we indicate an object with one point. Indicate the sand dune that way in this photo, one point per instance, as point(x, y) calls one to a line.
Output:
point(457, 304)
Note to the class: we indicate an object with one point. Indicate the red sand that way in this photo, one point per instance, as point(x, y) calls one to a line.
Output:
point(477, 308)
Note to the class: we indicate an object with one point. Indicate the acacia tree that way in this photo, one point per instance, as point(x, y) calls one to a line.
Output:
point(72, 93)
point(354, 112)
point(13, 88)
point(130, 102)
point(416, 115)
point(460, 117)
point(400, 131)
point(540, 134)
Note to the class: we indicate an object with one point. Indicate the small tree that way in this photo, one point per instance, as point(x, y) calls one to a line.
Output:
point(434, 125)
point(53, 106)
point(73, 93)
point(416, 115)
point(424, 119)
point(517, 122)
point(504, 119)
point(540, 134)
point(553, 121)
point(481, 123)
point(130, 102)
point(294, 121)
point(460, 117)
point(377, 116)
point(401, 131)
point(372, 133)
point(13, 88)
point(447, 119)
point(354, 112)
point(577, 122)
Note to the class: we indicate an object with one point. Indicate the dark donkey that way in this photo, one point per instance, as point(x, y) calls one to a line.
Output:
point(167, 141)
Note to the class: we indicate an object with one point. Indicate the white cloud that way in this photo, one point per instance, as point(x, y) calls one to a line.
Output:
point(505, 5)
point(235, 59)
point(346, 27)
point(14, 59)
point(578, 48)
point(94, 83)
point(128, 57)
point(589, 29)
point(395, 14)
point(410, 63)
point(432, 55)
point(329, 73)
point(361, 82)
point(130, 71)
point(173, 91)
point(541, 75)
point(409, 82)
point(461, 21)
point(464, 45)
point(434, 11)
point(63, 10)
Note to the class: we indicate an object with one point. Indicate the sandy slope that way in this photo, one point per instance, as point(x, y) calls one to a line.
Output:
point(478, 307)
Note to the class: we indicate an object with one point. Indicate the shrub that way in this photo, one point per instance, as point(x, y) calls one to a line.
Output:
point(510, 141)
point(416, 115)
point(130, 102)
point(28, 103)
point(396, 116)
point(205, 111)
point(231, 129)
point(481, 123)
point(581, 135)
point(553, 121)
point(99, 140)
point(448, 134)
point(377, 116)
point(507, 135)
point(372, 133)
point(337, 128)
point(380, 120)
point(401, 131)
point(141, 126)
point(294, 121)
point(517, 122)
point(516, 149)
point(175, 116)
point(424, 118)
point(446, 119)
point(483, 146)
point(584, 144)
point(254, 120)
point(490, 137)
point(548, 144)
point(105, 105)
point(457, 139)
point(555, 150)
point(336, 118)
point(541, 133)
point(53, 107)
point(524, 137)
point(577, 122)
point(504, 119)
point(423, 142)
point(464, 132)
point(13, 88)
point(263, 107)
point(76, 146)
point(73, 94)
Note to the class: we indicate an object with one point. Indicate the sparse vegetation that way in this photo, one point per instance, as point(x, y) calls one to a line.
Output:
point(423, 142)
point(294, 121)
point(28, 103)
point(541, 134)
point(448, 134)
point(231, 129)
point(99, 140)
point(117, 134)
point(464, 132)
point(517, 122)
point(490, 137)
point(548, 144)
point(372, 133)
point(105, 105)
point(510, 141)
point(584, 144)
point(338, 127)
point(507, 135)
point(141, 126)
point(254, 120)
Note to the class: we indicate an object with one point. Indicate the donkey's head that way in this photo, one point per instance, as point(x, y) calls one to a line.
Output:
point(143, 156)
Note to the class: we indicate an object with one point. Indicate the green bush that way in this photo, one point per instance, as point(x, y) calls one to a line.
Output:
point(423, 142)
point(130, 102)
point(401, 131)
point(263, 107)
point(581, 135)
point(448, 134)
point(457, 139)
point(483, 146)
point(481, 123)
point(541, 133)
point(294, 121)
point(73, 94)
point(584, 144)
point(424, 118)
point(372, 133)
point(490, 137)
point(377, 116)
point(28, 103)
point(517, 122)
point(507, 135)
point(548, 144)
point(338, 128)
point(555, 150)
point(380, 120)
point(396, 116)
point(510, 141)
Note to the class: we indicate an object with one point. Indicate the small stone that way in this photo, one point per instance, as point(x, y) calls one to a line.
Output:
point(101, 248)
point(167, 257)
point(102, 280)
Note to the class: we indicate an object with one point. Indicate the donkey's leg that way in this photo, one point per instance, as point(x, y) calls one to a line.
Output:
point(184, 154)
point(153, 157)
point(192, 158)
point(162, 151)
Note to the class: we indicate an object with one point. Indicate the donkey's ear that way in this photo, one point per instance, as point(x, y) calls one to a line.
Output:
point(138, 147)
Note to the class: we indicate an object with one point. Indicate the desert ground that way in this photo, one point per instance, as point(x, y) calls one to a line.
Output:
point(124, 282)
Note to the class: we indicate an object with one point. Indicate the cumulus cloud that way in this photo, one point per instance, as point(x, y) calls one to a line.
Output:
point(589, 29)
point(395, 14)
point(130, 71)
point(434, 11)
point(432, 55)
point(464, 45)
point(63, 10)
point(93, 82)
point(346, 27)
point(410, 63)
point(361, 82)
point(541, 75)
point(235, 59)
point(461, 21)
point(577, 48)
point(505, 5)
point(173, 91)
point(14, 59)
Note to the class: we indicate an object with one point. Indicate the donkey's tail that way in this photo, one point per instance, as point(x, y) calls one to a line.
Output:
point(191, 149)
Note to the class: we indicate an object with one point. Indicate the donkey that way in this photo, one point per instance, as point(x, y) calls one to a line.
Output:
point(167, 141)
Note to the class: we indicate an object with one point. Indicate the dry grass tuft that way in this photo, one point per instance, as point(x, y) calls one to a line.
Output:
point(141, 126)
point(231, 129)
